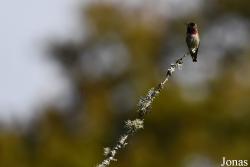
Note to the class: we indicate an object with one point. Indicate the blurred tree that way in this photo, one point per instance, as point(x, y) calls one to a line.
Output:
point(109, 69)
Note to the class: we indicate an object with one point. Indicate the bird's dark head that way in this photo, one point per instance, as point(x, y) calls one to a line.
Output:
point(192, 28)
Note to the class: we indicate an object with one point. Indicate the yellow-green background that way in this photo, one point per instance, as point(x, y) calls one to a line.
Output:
point(178, 131)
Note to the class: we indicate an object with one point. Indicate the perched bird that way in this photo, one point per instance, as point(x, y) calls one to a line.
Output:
point(193, 40)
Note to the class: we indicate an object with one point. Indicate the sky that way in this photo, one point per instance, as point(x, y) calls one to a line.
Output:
point(27, 79)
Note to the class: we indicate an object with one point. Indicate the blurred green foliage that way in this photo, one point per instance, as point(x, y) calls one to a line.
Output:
point(175, 130)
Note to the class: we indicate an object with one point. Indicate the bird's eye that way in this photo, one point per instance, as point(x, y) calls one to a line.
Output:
point(192, 24)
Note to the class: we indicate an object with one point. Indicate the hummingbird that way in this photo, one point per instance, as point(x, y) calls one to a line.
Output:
point(193, 40)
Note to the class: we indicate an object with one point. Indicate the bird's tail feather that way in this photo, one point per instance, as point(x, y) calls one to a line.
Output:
point(194, 55)
point(194, 58)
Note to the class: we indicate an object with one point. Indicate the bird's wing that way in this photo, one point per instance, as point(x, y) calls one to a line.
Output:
point(196, 52)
